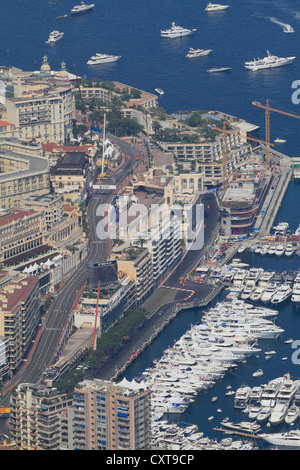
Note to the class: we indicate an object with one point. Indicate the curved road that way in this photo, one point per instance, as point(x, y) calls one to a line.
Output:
point(56, 319)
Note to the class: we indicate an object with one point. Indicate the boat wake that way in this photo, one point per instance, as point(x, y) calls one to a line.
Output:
point(287, 28)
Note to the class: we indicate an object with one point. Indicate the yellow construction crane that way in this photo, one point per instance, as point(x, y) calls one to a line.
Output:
point(224, 150)
point(267, 124)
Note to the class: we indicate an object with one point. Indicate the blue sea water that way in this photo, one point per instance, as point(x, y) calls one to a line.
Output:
point(132, 29)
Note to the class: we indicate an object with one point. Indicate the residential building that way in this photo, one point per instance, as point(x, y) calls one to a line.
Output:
point(72, 174)
point(36, 417)
point(137, 264)
point(19, 317)
point(22, 172)
point(21, 231)
point(243, 199)
point(109, 416)
point(41, 108)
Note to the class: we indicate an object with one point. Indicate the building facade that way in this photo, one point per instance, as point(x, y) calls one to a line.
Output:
point(19, 317)
point(36, 417)
point(108, 416)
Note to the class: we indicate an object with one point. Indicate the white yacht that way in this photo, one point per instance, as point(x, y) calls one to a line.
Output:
point(279, 141)
point(176, 31)
point(279, 250)
point(270, 61)
point(278, 412)
point(257, 293)
point(160, 91)
point(292, 415)
point(282, 294)
point(218, 69)
point(215, 7)
point(102, 59)
point(258, 373)
point(271, 250)
point(242, 426)
point(54, 36)
point(245, 295)
point(242, 396)
point(281, 228)
point(287, 28)
point(264, 250)
point(263, 414)
point(289, 250)
point(269, 292)
point(296, 293)
point(290, 439)
point(265, 278)
point(197, 52)
point(82, 8)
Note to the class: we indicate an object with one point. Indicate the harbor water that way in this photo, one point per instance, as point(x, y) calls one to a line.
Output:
point(132, 30)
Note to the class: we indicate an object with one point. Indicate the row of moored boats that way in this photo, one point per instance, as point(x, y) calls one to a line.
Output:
point(273, 403)
point(257, 285)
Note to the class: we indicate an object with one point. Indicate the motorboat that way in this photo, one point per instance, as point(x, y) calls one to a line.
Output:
point(257, 293)
point(176, 31)
point(292, 415)
point(296, 293)
point(278, 412)
point(290, 439)
point(54, 36)
point(197, 52)
point(102, 59)
point(253, 276)
point(279, 250)
point(245, 426)
point(289, 250)
point(281, 228)
point(218, 69)
point(270, 61)
point(242, 396)
point(271, 250)
point(287, 390)
point(160, 91)
point(283, 293)
point(82, 8)
point(215, 7)
point(279, 141)
point(265, 279)
point(263, 414)
point(287, 28)
point(264, 250)
point(254, 411)
point(258, 373)
point(245, 295)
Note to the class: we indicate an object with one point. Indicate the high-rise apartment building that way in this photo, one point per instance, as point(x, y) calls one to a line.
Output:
point(35, 417)
point(109, 416)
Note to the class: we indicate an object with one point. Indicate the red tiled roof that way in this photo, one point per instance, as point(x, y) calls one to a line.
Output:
point(5, 123)
point(15, 215)
point(13, 299)
point(65, 148)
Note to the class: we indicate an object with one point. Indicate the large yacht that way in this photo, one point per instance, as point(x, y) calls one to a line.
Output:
point(296, 292)
point(282, 294)
point(176, 31)
point(268, 62)
point(269, 292)
point(54, 36)
point(290, 439)
point(102, 59)
point(215, 7)
point(81, 8)
point(197, 52)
